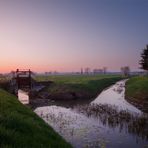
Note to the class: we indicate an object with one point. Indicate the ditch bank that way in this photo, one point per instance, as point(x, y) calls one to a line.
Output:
point(21, 127)
point(136, 92)
point(70, 92)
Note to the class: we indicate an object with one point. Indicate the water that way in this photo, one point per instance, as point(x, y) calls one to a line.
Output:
point(23, 97)
point(108, 121)
point(115, 95)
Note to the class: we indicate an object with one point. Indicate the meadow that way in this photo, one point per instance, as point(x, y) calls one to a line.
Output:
point(74, 79)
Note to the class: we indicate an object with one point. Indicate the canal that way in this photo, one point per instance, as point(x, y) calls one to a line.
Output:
point(107, 121)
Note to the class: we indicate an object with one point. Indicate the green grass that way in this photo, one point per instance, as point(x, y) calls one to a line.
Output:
point(137, 88)
point(73, 79)
point(22, 128)
point(83, 86)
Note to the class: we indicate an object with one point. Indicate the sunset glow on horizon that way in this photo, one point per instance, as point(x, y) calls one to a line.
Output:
point(65, 35)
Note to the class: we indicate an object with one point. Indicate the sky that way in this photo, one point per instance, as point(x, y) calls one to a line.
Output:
point(65, 35)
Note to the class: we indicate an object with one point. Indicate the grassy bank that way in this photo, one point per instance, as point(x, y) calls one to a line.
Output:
point(137, 92)
point(4, 82)
point(77, 86)
point(20, 127)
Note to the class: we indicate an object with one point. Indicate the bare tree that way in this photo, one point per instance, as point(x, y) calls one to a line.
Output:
point(125, 70)
point(104, 70)
point(87, 70)
point(81, 71)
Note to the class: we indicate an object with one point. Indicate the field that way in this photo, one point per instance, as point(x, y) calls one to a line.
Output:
point(73, 79)
point(77, 86)
point(20, 127)
point(137, 90)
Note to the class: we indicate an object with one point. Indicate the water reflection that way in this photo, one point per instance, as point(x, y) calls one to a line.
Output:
point(112, 117)
point(115, 95)
point(23, 97)
point(74, 127)
point(111, 122)
point(96, 126)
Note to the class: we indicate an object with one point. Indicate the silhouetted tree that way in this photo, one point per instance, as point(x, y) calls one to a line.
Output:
point(87, 70)
point(104, 70)
point(81, 71)
point(144, 60)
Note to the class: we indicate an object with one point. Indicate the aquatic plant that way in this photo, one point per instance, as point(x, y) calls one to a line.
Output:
point(133, 123)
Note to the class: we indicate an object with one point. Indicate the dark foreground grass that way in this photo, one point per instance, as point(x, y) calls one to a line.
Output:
point(22, 128)
point(4, 82)
point(137, 91)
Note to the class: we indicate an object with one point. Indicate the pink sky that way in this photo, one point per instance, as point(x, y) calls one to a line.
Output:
point(49, 36)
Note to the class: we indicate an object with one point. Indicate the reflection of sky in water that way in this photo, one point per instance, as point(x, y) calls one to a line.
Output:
point(115, 96)
point(83, 131)
point(23, 97)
